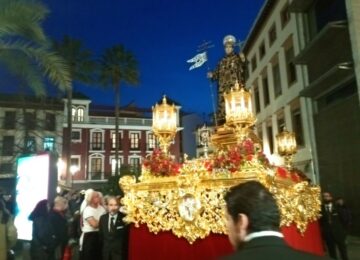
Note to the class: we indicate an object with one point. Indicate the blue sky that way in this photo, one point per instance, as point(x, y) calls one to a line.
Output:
point(162, 34)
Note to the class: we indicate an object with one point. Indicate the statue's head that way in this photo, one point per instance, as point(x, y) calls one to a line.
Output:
point(229, 42)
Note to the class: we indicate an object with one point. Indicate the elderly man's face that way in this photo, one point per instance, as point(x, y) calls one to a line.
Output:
point(327, 197)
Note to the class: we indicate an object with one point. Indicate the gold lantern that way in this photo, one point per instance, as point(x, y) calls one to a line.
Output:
point(286, 144)
point(238, 109)
point(164, 123)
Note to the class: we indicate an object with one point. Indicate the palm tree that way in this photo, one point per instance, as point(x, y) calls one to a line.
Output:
point(118, 65)
point(24, 48)
point(81, 68)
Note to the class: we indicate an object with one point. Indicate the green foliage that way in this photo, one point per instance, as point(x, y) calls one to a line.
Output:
point(112, 186)
point(79, 59)
point(118, 64)
point(24, 48)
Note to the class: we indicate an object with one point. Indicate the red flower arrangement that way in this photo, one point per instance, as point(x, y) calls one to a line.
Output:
point(160, 164)
point(235, 156)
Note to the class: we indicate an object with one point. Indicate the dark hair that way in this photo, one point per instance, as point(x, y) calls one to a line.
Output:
point(257, 203)
point(40, 210)
point(5, 214)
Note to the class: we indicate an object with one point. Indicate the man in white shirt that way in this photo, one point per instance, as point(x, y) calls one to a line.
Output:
point(253, 222)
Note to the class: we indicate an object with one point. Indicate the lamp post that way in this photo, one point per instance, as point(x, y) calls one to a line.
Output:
point(164, 123)
point(73, 170)
point(238, 109)
point(286, 144)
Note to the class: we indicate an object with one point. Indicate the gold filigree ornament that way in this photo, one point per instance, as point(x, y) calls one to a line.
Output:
point(191, 205)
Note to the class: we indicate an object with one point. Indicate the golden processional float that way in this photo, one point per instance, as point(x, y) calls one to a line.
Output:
point(187, 198)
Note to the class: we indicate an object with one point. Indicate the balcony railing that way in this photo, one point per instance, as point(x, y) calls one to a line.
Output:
point(111, 121)
point(95, 176)
point(97, 146)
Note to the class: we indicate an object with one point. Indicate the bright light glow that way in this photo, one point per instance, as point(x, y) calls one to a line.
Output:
point(74, 169)
point(32, 186)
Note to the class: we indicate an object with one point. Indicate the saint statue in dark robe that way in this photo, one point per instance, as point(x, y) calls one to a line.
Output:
point(231, 68)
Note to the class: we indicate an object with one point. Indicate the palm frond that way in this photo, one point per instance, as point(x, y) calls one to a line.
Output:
point(118, 64)
point(22, 68)
point(52, 65)
point(22, 18)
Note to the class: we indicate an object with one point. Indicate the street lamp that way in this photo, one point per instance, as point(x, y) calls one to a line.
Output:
point(238, 110)
point(73, 170)
point(286, 144)
point(164, 123)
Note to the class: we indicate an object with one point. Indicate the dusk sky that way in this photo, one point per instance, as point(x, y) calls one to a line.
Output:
point(162, 35)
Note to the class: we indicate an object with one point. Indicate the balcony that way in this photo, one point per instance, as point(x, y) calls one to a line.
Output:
point(123, 121)
point(339, 74)
point(97, 146)
point(330, 47)
point(299, 6)
point(96, 176)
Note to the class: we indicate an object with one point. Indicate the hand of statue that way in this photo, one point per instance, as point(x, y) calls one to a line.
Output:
point(242, 57)
point(209, 75)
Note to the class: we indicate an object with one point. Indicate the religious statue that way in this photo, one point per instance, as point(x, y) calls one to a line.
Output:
point(231, 68)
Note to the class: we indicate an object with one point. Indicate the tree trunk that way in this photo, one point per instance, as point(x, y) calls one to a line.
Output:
point(68, 182)
point(117, 115)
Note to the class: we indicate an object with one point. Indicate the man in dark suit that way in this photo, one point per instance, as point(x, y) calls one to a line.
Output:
point(253, 221)
point(333, 222)
point(113, 232)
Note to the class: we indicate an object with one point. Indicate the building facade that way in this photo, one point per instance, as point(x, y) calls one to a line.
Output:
point(93, 142)
point(276, 83)
point(28, 125)
point(304, 75)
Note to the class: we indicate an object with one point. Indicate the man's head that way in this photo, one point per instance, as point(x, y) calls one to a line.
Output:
point(60, 204)
point(250, 207)
point(113, 205)
point(327, 197)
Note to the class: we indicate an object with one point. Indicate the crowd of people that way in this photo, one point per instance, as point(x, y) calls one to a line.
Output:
point(90, 226)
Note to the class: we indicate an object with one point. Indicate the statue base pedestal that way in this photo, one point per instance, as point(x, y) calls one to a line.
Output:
point(226, 136)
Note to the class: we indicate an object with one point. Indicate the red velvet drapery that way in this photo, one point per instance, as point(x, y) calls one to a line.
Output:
point(165, 245)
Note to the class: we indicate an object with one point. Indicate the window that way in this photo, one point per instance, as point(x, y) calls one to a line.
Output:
point(9, 120)
point(8, 145)
point(297, 126)
point(265, 84)
point(30, 120)
point(75, 164)
point(6, 168)
point(253, 63)
point(260, 132)
point(30, 144)
point(135, 164)
point(113, 165)
point(50, 122)
point(272, 34)
point(96, 141)
point(285, 16)
point(269, 132)
point(277, 80)
point(257, 100)
point(76, 135)
point(80, 114)
point(262, 50)
point(280, 122)
point(96, 165)
point(134, 140)
point(113, 140)
point(290, 66)
point(151, 141)
point(77, 114)
point(49, 143)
